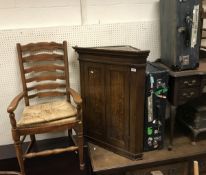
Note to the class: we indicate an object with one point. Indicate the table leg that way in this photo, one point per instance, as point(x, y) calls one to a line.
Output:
point(172, 124)
point(194, 139)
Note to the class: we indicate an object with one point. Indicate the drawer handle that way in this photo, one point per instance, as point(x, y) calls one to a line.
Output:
point(190, 84)
point(192, 93)
point(188, 95)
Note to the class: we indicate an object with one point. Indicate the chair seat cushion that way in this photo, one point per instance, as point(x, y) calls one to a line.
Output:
point(46, 112)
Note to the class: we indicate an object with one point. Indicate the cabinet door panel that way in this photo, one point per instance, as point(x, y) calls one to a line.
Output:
point(117, 108)
point(94, 110)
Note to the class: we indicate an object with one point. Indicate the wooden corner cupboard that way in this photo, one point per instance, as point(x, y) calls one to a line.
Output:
point(112, 87)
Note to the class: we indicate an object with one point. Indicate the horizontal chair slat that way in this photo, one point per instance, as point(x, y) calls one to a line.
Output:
point(9, 173)
point(44, 68)
point(51, 152)
point(203, 47)
point(41, 46)
point(47, 86)
point(47, 94)
point(43, 57)
point(45, 77)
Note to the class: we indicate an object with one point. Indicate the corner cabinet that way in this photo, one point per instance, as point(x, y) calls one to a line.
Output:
point(112, 88)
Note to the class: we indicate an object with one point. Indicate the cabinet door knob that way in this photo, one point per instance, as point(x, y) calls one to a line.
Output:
point(188, 95)
point(133, 69)
point(91, 71)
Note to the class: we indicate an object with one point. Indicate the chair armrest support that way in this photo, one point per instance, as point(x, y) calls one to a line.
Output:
point(14, 103)
point(76, 97)
point(78, 101)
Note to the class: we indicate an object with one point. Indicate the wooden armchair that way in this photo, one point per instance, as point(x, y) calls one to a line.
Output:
point(45, 74)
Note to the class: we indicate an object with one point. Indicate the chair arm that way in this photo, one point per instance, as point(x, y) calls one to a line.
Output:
point(76, 97)
point(14, 103)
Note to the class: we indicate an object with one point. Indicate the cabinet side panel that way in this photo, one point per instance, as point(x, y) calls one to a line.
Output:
point(137, 90)
point(117, 92)
point(94, 108)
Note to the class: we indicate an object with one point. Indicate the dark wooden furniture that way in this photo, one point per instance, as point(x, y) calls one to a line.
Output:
point(192, 116)
point(187, 85)
point(175, 162)
point(44, 73)
point(184, 86)
point(112, 88)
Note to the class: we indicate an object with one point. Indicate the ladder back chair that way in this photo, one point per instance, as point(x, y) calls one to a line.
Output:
point(45, 78)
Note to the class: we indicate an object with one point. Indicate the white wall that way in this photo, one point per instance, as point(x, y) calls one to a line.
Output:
point(110, 11)
point(45, 13)
point(107, 22)
point(39, 13)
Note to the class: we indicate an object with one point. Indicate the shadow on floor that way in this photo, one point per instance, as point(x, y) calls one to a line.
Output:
point(60, 164)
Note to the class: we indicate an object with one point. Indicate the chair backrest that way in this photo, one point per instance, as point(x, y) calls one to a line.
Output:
point(44, 69)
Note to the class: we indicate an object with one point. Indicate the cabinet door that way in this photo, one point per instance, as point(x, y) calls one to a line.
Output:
point(94, 100)
point(117, 105)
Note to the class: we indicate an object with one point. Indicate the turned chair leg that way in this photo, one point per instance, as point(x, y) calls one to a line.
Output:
point(81, 146)
point(19, 155)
